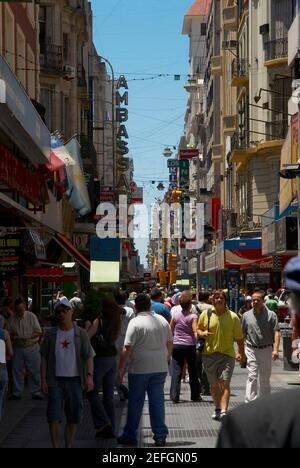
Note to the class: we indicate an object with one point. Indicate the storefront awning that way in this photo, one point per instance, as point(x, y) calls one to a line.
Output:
point(244, 253)
point(69, 247)
point(19, 118)
point(51, 275)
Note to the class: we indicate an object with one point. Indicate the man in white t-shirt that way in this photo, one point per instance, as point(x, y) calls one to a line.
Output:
point(148, 346)
point(76, 301)
point(67, 369)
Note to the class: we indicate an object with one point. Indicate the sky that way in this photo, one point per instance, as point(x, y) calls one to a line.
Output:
point(142, 39)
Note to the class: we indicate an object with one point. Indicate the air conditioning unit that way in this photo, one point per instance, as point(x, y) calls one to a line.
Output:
point(264, 29)
point(69, 71)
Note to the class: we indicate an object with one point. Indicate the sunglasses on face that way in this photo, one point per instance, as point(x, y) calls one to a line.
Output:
point(61, 311)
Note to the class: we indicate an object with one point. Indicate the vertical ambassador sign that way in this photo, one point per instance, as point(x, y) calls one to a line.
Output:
point(122, 145)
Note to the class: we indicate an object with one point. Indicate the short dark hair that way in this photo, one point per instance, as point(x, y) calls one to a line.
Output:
point(142, 303)
point(120, 297)
point(156, 293)
point(258, 291)
point(203, 296)
point(19, 301)
point(7, 302)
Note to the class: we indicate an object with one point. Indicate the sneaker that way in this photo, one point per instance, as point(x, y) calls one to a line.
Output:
point(125, 441)
point(223, 414)
point(160, 442)
point(216, 415)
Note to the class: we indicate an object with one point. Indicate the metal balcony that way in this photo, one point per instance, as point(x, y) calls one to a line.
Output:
point(51, 57)
point(240, 72)
point(277, 49)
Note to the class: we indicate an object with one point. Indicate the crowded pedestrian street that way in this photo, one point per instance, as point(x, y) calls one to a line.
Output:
point(149, 226)
point(190, 424)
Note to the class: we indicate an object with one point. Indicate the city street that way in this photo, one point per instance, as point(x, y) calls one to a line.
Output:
point(190, 424)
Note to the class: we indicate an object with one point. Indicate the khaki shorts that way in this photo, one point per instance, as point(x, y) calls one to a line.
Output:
point(218, 367)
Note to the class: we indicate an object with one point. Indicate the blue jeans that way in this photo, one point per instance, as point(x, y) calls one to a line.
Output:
point(3, 389)
point(153, 384)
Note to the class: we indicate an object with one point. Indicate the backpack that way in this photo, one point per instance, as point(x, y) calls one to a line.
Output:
point(200, 345)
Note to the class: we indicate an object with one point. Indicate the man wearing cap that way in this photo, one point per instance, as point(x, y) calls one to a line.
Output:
point(262, 335)
point(67, 369)
point(272, 421)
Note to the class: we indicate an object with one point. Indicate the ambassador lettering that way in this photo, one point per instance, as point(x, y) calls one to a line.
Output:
point(126, 459)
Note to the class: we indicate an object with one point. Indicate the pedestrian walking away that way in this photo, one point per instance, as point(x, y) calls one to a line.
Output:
point(184, 328)
point(104, 333)
point(148, 346)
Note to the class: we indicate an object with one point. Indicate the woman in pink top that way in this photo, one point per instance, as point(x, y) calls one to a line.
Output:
point(184, 328)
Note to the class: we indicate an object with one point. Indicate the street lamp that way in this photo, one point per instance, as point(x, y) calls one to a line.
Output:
point(257, 98)
point(112, 117)
point(292, 171)
point(167, 152)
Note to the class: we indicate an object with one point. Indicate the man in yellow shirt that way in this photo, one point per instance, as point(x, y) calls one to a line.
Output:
point(220, 328)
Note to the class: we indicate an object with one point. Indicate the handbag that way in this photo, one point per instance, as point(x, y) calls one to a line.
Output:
point(200, 344)
point(101, 345)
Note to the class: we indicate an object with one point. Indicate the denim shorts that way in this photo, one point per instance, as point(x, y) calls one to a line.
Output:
point(67, 394)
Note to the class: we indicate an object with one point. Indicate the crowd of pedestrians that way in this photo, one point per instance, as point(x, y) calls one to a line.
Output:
point(130, 348)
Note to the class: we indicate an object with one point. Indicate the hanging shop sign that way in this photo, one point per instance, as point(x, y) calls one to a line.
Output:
point(9, 255)
point(122, 184)
point(173, 163)
point(30, 185)
point(188, 154)
point(184, 169)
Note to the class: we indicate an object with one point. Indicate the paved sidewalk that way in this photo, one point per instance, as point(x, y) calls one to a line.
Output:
point(190, 424)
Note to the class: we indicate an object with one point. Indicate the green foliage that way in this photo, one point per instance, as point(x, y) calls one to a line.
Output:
point(92, 306)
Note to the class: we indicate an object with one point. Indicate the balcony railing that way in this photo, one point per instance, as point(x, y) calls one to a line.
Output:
point(239, 142)
point(276, 130)
point(277, 49)
point(51, 57)
point(240, 68)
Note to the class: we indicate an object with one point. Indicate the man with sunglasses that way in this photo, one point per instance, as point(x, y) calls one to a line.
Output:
point(67, 369)
point(220, 328)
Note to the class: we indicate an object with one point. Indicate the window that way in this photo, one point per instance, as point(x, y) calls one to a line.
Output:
point(31, 73)
point(9, 44)
point(21, 52)
point(294, 7)
point(48, 101)
point(65, 47)
point(203, 29)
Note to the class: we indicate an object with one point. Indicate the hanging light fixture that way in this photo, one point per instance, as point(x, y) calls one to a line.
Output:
point(167, 152)
point(160, 187)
